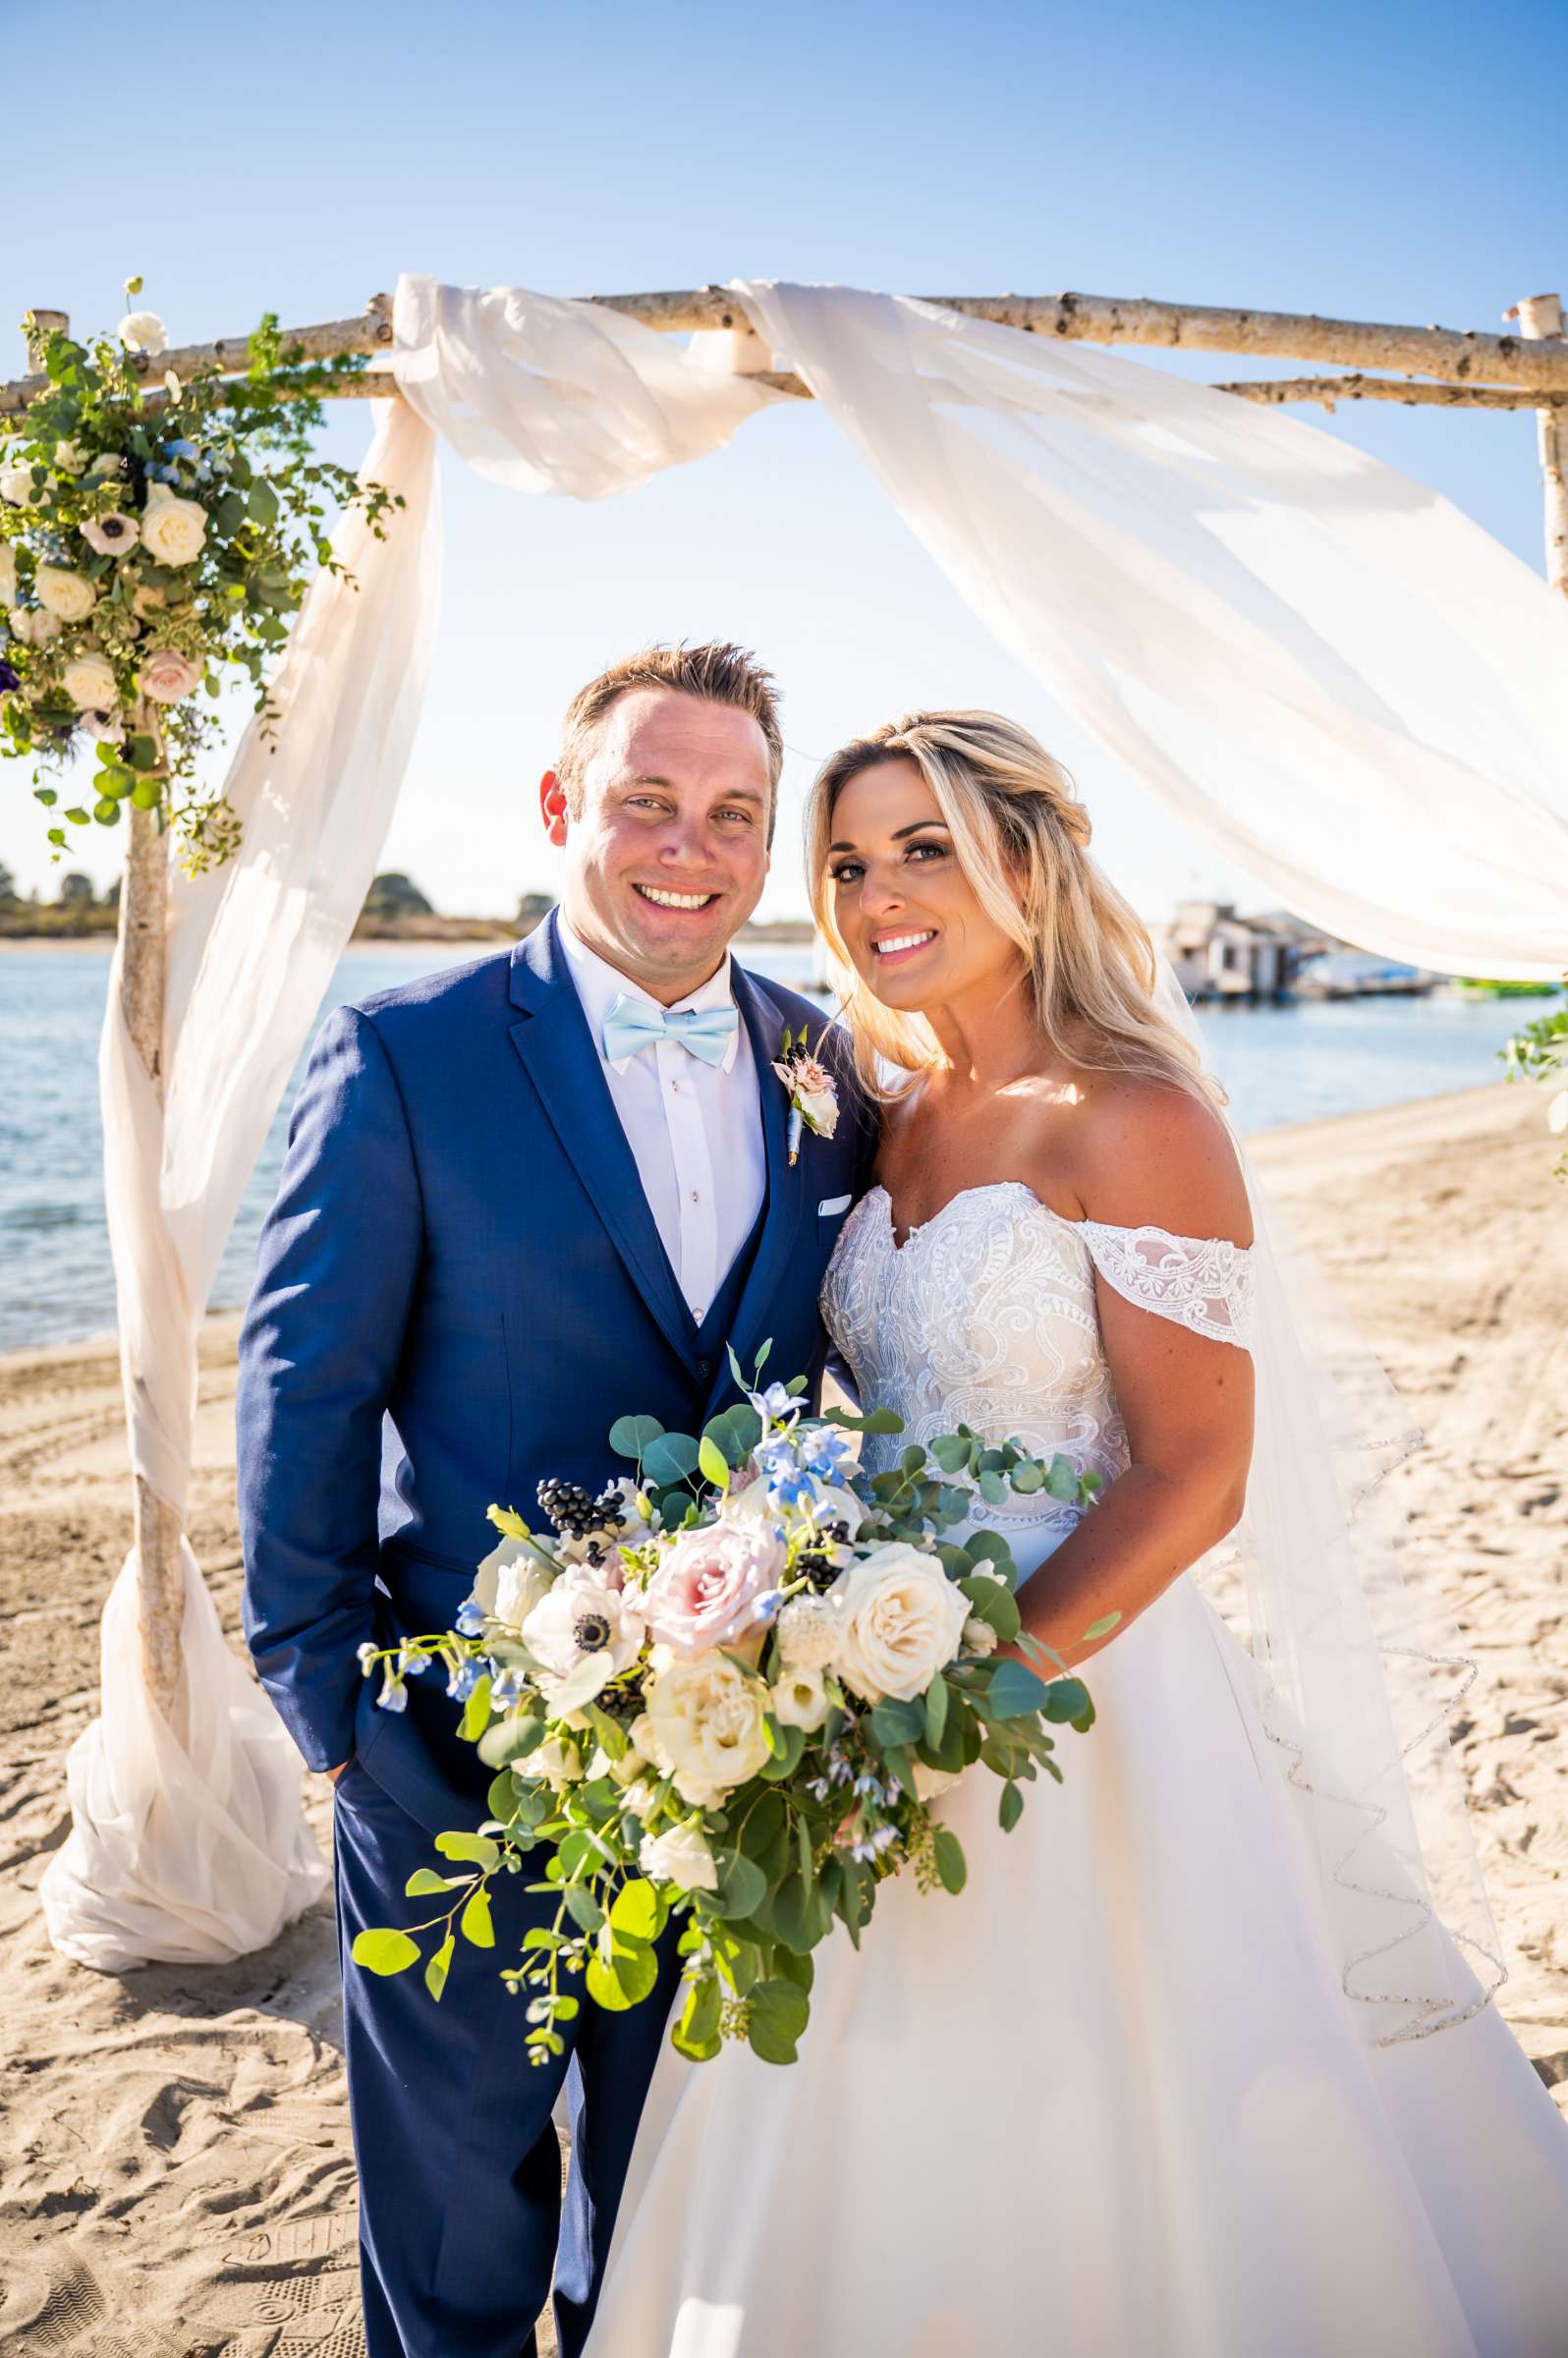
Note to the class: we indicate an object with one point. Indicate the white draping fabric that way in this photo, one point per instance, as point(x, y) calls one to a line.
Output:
point(187, 1842)
point(1339, 680)
point(1330, 673)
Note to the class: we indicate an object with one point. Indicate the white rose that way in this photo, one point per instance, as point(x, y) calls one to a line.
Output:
point(173, 530)
point(90, 684)
point(70, 457)
point(978, 1636)
point(32, 627)
point(510, 1583)
point(583, 1633)
point(640, 1735)
point(679, 1857)
point(808, 1633)
point(8, 574)
point(15, 484)
point(800, 1699)
point(707, 1722)
point(900, 1619)
point(144, 331)
point(820, 1109)
point(64, 593)
point(107, 462)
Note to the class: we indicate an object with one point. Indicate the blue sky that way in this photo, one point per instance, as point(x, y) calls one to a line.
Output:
point(1397, 162)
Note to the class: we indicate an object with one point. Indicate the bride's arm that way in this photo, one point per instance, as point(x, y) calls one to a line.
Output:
point(1153, 1156)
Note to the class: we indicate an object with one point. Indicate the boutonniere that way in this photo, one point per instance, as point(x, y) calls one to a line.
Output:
point(813, 1091)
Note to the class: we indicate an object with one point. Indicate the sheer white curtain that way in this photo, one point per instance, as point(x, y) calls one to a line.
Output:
point(1334, 676)
point(1340, 681)
point(187, 1842)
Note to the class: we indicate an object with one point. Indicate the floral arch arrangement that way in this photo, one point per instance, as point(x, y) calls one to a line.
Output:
point(156, 536)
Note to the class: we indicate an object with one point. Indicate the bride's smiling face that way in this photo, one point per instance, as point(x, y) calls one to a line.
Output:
point(906, 911)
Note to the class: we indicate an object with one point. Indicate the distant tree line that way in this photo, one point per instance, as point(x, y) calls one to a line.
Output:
point(76, 910)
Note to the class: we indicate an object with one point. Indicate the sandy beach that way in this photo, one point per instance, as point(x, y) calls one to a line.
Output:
point(176, 2176)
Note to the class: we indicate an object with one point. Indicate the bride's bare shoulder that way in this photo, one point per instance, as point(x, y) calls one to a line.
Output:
point(1150, 1154)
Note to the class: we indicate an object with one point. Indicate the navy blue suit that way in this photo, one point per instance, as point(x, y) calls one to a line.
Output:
point(461, 1286)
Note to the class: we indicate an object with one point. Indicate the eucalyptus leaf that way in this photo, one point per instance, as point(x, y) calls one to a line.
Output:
point(779, 2011)
point(382, 1950)
point(670, 1459)
point(435, 1972)
point(630, 1436)
point(475, 1923)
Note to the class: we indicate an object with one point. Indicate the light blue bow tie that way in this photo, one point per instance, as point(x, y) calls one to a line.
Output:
point(633, 1025)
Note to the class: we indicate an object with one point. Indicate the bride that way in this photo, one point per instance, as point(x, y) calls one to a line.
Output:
point(1182, 2074)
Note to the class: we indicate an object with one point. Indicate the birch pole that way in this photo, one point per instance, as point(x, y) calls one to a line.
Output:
point(1540, 318)
point(143, 927)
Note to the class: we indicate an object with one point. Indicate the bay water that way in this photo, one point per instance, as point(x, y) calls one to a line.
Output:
point(1289, 1063)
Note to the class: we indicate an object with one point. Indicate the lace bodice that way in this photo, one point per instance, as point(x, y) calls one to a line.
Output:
point(985, 1316)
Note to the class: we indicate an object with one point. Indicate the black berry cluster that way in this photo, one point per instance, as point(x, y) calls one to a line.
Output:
point(569, 1508)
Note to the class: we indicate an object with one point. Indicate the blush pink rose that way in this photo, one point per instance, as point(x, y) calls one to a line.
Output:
point(705, 1591)
point(167, 676)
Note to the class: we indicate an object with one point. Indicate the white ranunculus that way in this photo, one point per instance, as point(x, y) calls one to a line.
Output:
point(15, 484)
point(144, 331)
point(808, 1633)
point(707, 1722)
point(68, 595)
point(800, 1699)
point(900, 1619)
point(90, 683)
point(582, 1633)
point(679, 1857)
point(8, 574)
point(510, 1583)
point(173, 530)
point(561, 1763)
point(978, 1636)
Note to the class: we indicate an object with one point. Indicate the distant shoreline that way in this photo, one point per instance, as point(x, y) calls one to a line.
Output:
point(379, 933)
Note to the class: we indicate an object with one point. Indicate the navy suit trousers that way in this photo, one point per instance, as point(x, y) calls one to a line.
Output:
point(460, 2169)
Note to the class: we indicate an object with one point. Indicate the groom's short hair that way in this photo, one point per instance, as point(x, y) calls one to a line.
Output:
point(719, 674)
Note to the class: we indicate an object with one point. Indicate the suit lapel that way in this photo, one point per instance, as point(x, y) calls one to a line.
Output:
point(786, 1189)
point(560, 1057)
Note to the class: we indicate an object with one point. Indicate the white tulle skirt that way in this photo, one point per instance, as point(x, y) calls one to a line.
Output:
point(1109, 2102)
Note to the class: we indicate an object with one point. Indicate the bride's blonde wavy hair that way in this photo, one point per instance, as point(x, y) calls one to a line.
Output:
point(1021, 837)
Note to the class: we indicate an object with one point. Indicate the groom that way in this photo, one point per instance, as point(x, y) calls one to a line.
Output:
point(521, 1198)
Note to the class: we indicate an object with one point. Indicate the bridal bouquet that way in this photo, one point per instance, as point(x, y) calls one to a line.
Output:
point(727, 1690)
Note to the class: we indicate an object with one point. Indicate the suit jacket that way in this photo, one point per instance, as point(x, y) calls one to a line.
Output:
point(460, 1287)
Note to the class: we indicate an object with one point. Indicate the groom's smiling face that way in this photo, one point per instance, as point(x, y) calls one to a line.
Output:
point(667, 856)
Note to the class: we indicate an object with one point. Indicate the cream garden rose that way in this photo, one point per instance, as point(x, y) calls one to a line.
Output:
point(90, 683)
point(8, 574)
point(173, 530)
point(681, 1856)
point(16, 484)
point(900, 1620)
point(69, 595)
point(706, 1718)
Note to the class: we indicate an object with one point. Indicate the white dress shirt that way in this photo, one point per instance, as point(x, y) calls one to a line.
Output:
point(694, 1129)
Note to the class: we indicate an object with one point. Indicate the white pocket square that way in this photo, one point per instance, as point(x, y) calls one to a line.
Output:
point(831, 1204)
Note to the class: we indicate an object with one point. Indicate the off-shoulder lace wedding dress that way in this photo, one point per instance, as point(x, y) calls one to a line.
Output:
point(1111, 2102)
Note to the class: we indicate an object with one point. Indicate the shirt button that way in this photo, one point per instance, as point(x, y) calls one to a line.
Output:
point(696, 1198)
point(705, 1369)
point(675, 1085)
